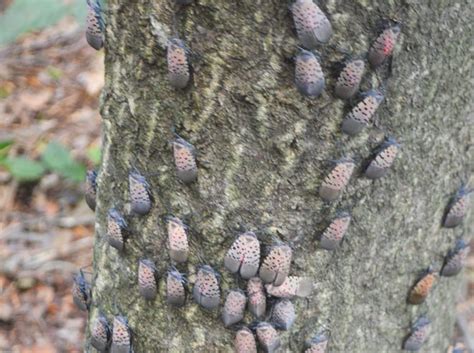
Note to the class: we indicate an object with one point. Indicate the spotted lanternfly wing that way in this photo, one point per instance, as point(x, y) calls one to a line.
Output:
point(257, 299)
point(349, 80)
point(81, 292)
point(309, 77)
point(291, 287)
point(178, 64)
point(147, 279)
point(95, 25)
point(418, 335)
point(116, 228)
point(244, 255)
point(361, 115)
point(206, 290)
point(91, 188)
point(283, 314)
point(185, 160)
point(268, 337)
point(276, 265)
point(383, 160)
point(456, 259)
point(457, 209)
point(422, 287)
point(177, 240)
point(101, 334)
point(335, 232)
point(139, 193)
point(312, 25)
point(244, 341)
point(383, 46)
point(175, 291)
point(121, 336)
point(234, 307)
point(336, 180)
point(318, 344)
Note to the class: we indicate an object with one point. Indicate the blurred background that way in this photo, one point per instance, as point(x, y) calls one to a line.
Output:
point(50, 82)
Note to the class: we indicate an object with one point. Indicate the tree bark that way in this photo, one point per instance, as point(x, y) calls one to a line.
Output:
point(263, 151)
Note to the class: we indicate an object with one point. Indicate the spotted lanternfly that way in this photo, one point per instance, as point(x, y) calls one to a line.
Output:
point(349, 80)
point(101, 334)
point(383, 160)
point(361, 115)
point(257, 298)
point(91, 188)
point(139, 190)
point(283, 314)
point(95, 25)
point(244, 341)
point(422, 287)
point(276, 265)
point(81, 292)
point(383, 46)
point(177, 239)
point(312, 25)
point(175, 291)
point(337, 180)
point(309, 77)
point(418, 335)
point(291, 287)
point(178, 65)
point(206, 290)
point(116, 228)
point(335, 232)
point(185, 160)
point(234, 307)
point(147, 279)
point(457, 209)
point(318, 344)
point(456, 259)
point(268, 337)
point(244, 255)
point(121, 336)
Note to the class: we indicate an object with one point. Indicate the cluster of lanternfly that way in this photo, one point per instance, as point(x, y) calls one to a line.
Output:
point(272, 275)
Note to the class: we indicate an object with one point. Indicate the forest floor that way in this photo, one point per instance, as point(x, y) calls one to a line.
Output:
point(50, 83)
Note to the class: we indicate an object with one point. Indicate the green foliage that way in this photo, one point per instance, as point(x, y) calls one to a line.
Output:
point(27, 15)
point(23, 169)
point(93, 153)
point(57, 158)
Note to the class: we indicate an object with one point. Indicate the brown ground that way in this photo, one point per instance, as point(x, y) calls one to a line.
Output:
point(52, 82)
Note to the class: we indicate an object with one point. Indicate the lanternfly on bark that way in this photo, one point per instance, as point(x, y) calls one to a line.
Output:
point(178, 63)
point(268, 337)
point(317, 344)
point(121, 336)
point(91, 189)
point(139, 191)
point(457, 209)
point(293, 286)
point(383, 46)
point(456, 259)
point(312, 25)
point(349, 79)
point(234, 307)
point(383, 160)
point(244, 341)
point(185, 160)
point(244, 255)
point(309, 77)
point(257, 299)
point(422, 287)
point(95, 25)
point(206, 291)
point(175, 291)
point(418, 335)
point(337, 179)
point(335, 232)
point(362, 114)
point(81, 292)
point(283, 314)
point(178, 244)
point(147, 285)
point(116, 229)
point(276, 265)
point(101, 334)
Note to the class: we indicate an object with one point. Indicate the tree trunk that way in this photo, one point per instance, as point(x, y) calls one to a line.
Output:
point(263, 150)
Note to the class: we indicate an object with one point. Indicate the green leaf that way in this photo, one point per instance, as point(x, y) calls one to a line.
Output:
point(57, 158)
point(24, 169)
point(5, 143)
point(93, 153)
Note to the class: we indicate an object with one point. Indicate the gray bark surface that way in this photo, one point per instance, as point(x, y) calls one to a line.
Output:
point(263, 150)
